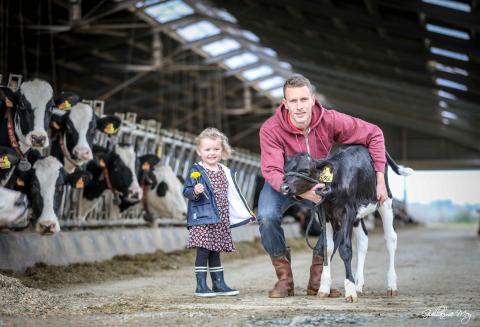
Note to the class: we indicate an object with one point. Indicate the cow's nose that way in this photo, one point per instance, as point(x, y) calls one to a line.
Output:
point(135, 194)
point(38, 140)
point(21, 201)
point(83, 153)
point(47, 227)
point(285, 189)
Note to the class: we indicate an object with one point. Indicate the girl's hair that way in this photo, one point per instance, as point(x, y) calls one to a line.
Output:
point(213, 133)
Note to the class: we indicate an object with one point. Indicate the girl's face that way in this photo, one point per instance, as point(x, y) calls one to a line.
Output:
point(210, 150)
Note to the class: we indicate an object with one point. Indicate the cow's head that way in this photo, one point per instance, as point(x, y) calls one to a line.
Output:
point(13, 207)
point(302, 173)
point(120, 164)
point(77, 127)
point(44, 184)
point(33, 103)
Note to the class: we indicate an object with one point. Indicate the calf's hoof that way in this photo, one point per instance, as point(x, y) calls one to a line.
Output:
point(351, 299)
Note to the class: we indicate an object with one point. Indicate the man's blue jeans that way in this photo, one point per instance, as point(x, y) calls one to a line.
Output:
point(270, 214)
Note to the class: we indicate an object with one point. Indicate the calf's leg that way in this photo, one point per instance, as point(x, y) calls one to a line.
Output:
point(345, 249)
point(362, 247)
point(386, 212)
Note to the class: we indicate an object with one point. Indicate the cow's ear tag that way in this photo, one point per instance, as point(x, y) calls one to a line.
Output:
point(145, 166)
point(5, 163)
point(55, 125)
point(8, 102)
point(159, 152)
point(103, 164)
point(65, 105)
point(80, 183)
point(24, 165)
point(109, 129)
point(20, 182)
point(326, 176)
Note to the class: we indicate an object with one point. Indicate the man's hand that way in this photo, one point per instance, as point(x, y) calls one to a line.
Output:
point(382, 193)
point(311, 195)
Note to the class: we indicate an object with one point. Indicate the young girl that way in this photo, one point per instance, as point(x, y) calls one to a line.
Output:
point(215, 205)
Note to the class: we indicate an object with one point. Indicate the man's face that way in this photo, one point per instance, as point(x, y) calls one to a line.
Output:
point(299, 102)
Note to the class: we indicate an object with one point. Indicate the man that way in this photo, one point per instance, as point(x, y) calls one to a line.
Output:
point(301, 124)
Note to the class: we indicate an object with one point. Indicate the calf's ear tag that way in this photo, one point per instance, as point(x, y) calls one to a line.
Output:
point(24, 165)
point(20, 182)
point(8, 103)
point(102, 163)
point(65, 105)
point(326, 176)
point(5, 163)
point(145, 166)
point(109, 129)
point(80, 183)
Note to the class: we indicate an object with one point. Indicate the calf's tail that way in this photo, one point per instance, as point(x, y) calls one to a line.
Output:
point(398, 169)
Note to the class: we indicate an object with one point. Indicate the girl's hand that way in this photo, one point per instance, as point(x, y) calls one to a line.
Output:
point(198, 189)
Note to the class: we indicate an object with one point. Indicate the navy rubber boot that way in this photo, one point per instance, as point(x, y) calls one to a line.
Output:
point(202, 287)
point(219, 286)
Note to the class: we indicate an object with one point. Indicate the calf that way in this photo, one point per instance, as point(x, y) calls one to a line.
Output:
point(74, 131)
point(348, 197)
point(25, 115)
point(113, 171)
point(44, 185)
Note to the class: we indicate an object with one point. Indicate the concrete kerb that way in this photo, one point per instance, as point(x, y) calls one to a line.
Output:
point(18, 251)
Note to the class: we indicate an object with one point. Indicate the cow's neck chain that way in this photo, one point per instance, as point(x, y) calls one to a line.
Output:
point(64, 149)
point(11, 134)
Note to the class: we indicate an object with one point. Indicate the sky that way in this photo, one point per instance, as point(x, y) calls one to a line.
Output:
point(425, 186)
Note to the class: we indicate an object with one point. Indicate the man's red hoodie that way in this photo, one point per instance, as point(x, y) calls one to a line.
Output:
point(279, 139)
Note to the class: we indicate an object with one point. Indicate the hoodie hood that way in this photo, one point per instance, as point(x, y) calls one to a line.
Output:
point(281, 114)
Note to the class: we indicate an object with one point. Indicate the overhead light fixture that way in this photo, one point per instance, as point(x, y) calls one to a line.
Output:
point(448, 69)
point(449, 115)
point(198, 31)
point(451, 84)
point(450, 4)
point(449, 54)
point(168, 11)
point(221, 46)
point(241, 60)
point(448, 31)
point(443, 104)
point(446, 95)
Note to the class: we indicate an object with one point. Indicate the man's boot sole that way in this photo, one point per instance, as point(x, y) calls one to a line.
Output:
point(280, 295)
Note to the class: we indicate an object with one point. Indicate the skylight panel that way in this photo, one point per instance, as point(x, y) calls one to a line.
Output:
point(285, 65)
point(269, 52)
point(168, 11)
point(146, 3)
point(446, 95)
point(225, 15)
point(271, 82)
point(443, 104)
point(197, 31)
point(449, 54)
point(221, 46)
point(257, 72)
point(241, 60)
point(451, 84)
point(277, 93)
point(450, 69)
point(450, 4)
point(449, 115)
point(448, 31)
point(250, 36)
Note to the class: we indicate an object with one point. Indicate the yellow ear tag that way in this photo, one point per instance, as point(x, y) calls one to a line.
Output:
point(55, 125)
point(326, 175)
point(80, 184)
point(65, 105)
point(109, 129)
point(20, 182)
point(8, 103)
point(102, 163)
point(159, 152)
point(145, 166)
point(5, 163)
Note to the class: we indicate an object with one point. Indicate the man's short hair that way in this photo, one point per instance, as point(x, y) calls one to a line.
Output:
point(297, 81)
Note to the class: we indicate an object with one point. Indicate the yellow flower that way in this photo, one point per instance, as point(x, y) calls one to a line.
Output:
point(195, 175)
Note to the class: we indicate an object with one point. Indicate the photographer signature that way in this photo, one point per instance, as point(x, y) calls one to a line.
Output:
point(442, 313)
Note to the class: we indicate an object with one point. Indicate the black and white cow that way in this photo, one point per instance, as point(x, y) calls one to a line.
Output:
point(73, 132)
point(111, 171)
point(350, 196)
point(44, 185)
point(29, 111)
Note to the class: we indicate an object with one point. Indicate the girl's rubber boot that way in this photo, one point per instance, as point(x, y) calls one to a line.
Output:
point(202, 289)
point(219, 286)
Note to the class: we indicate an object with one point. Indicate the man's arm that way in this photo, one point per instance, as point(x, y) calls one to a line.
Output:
point(382, 193)
point(272, 159)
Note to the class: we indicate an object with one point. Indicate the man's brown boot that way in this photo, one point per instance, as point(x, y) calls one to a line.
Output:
point(284, 286)
point(316, 270)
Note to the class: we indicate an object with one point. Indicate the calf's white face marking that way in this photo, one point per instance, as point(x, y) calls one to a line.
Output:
point(127, 155)
point(81, 116)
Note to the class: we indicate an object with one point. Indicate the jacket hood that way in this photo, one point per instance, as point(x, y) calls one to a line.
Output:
point(281, 114)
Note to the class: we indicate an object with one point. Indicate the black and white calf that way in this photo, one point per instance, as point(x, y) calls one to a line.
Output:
point(350, 196)
point(26, 114)
point(73, 132)
point(44, 185)
point(111, 171)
